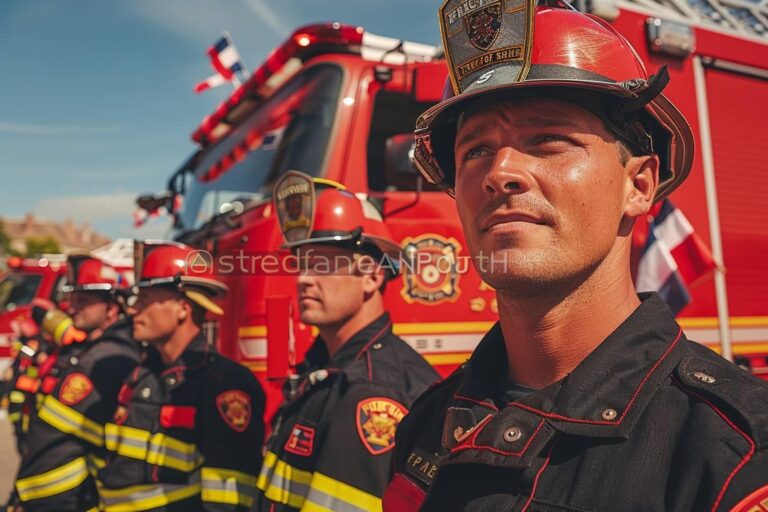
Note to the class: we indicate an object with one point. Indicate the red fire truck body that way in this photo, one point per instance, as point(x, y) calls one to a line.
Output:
point(25, 279)
point(336, 102)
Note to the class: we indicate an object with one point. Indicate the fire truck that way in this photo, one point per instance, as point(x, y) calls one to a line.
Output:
point(338, 102)
point(24, 280)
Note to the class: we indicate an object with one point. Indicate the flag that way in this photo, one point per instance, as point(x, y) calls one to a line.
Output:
point(673, 257)
point(225, 60)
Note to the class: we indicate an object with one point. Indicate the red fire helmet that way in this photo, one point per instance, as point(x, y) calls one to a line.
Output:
point(335, 216)
point(166, 263)
point(554, 51)
point(87, 273)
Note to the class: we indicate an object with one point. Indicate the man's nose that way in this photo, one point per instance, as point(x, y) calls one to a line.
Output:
point(508, 174)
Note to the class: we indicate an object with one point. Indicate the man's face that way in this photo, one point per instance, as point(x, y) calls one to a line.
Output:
point(331, 285)
point(157, 313)
point(89, 310)
point(540, 190)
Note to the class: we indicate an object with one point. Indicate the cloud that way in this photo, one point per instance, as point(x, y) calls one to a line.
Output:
point(44, 129)
point(110, 214)
point(197, 20)
point(88, 208)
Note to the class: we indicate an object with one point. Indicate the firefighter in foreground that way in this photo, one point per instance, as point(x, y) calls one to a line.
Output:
point(585, 396)
point(188, 431)
point(332, 439)
point(65, 442)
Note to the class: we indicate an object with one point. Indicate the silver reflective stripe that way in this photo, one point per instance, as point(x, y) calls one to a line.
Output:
point(162, 450)
point(322, 499)
point(291, 486)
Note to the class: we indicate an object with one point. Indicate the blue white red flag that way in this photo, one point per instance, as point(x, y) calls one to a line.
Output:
point(673, 258)
point(225, 60)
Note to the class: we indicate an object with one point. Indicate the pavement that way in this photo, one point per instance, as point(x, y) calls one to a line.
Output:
point(9, 459)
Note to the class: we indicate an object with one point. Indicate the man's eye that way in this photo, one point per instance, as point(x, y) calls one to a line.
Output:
point(550, 137)
point(476, 152)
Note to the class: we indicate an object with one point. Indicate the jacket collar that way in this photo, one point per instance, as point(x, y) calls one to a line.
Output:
point(606, 393)
point(317, 355)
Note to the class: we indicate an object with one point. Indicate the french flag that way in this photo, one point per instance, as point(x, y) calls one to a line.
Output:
point(225, 60)
point(673, 257)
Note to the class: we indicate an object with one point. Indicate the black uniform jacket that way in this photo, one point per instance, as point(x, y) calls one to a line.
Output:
point(649, 421)
point(331, 444)
point(65, 444)
point(186, 437)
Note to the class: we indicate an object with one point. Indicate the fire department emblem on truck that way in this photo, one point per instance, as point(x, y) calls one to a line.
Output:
point(377, 422)
point(295, 200)
point(431, 275)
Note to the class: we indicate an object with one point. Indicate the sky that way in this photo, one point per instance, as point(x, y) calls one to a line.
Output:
point(96, 97)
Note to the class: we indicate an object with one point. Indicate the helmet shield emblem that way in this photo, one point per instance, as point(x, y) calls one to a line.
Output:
point(483, 26)
point(294, 197)
point(486, 37)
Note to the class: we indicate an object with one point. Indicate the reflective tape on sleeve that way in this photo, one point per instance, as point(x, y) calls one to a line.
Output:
point(228, 486)
point(56, 481)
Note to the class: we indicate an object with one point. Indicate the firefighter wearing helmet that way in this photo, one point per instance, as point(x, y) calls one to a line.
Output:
point(553, 139)
point(188, 430)
point(78, 391)
point(333, 437)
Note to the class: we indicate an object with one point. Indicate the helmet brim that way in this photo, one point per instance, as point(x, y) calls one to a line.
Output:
point(677, 155)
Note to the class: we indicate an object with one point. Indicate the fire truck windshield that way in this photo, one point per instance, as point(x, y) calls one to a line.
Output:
point(17, 290)
point(289, 131)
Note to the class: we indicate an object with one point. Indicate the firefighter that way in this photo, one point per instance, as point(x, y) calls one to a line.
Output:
point(188, 433)
point(66, 437)
point(332, 439)
point(585, 396)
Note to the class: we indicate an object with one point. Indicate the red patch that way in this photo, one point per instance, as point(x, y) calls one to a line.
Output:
point(755, 502)
point(181, 416)
point(75, 388)
point(235, 409)
point(301, 441)
point(377, 421)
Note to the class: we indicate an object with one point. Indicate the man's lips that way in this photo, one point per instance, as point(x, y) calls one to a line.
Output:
point(500, 219)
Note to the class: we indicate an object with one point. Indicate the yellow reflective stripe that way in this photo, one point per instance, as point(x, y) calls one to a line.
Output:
point(145, 497)
point(55, 481)
point(61, 328)
point(14, 417)
point(228, 486)
point(167, 451)
point(16, 397)
point(158, 449)
point(283, 483)
point(127, 441)
point(71, 421)
point(327, 493)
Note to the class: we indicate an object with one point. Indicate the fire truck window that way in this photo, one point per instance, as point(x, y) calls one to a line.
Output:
point(17, 290)
point(289, 131)
point(393, 120)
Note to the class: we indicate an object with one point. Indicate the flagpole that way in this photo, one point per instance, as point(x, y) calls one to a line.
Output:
point(710, 187)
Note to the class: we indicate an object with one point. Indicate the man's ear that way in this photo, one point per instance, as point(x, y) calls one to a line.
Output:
point(372, 281)
point(642, 183)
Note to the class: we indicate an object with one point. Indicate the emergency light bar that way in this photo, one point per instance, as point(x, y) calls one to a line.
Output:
point(287, 59)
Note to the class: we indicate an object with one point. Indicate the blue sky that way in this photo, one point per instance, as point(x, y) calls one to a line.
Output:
point(96, 101)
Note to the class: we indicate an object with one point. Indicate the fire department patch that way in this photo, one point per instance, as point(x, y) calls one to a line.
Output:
point(755, 502)
point(294, 198)
point(235, 409)
point(75, 388)
point(478, 51)
point(483, 26)
point(301, 441)
point(432, 275)
point(377, 421)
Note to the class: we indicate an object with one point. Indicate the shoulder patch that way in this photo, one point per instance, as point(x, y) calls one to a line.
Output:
point(755, 502)
point(301, 441)
point(75, 388)
point(235, 409)
point(377, 421)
